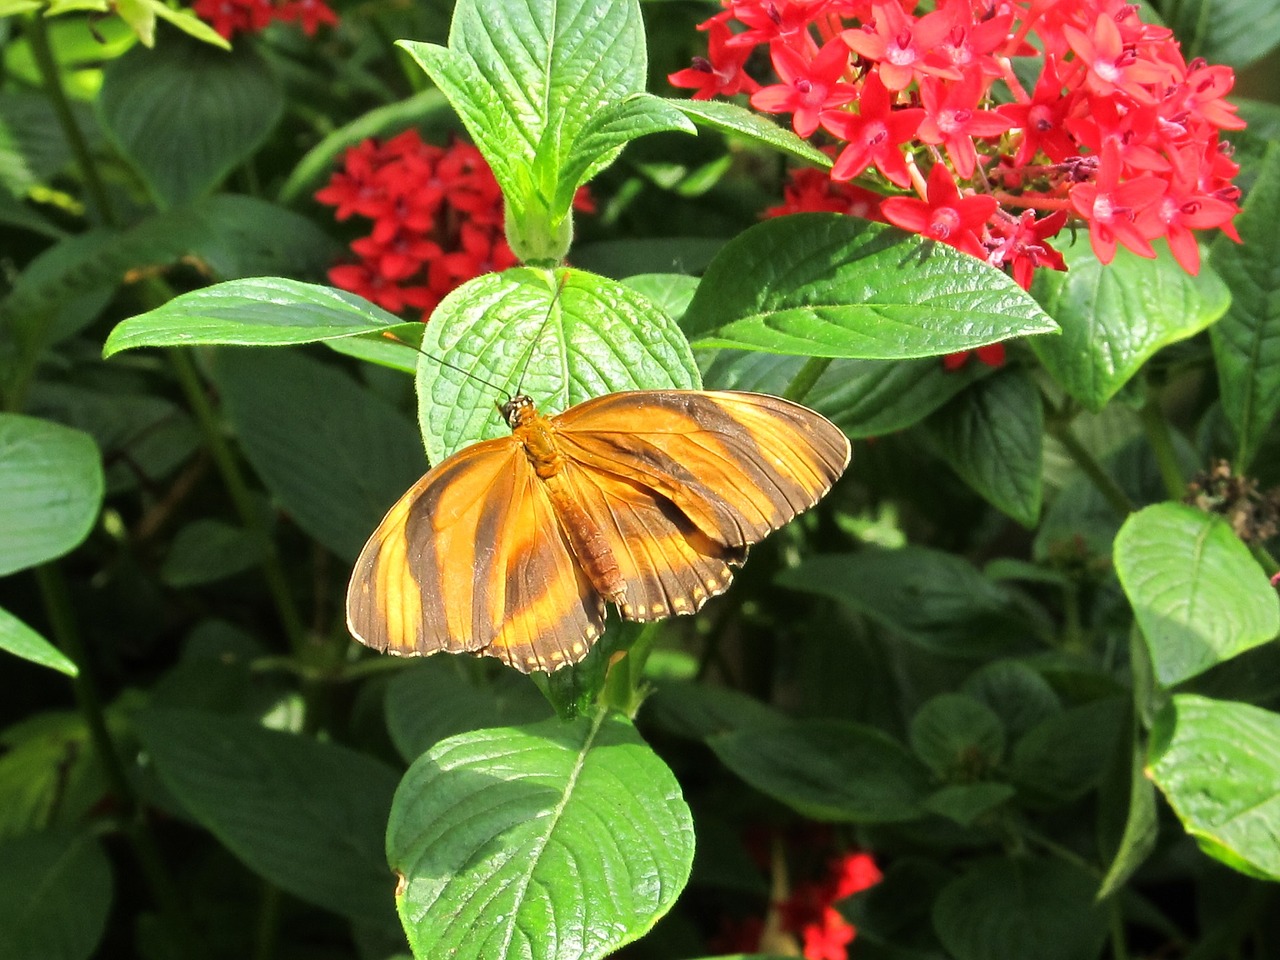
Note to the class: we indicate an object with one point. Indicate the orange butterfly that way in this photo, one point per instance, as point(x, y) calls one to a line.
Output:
point(510, 547)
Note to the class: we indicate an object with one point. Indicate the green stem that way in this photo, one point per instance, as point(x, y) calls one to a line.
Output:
point(807, 376)
point(1264, 557)
point(1161, 441)
point(238, 489)
point(62, 623)
point(1059, 851)
point(268, 932)
point(1119, 944)
point(1110, 490)
point(38, 36)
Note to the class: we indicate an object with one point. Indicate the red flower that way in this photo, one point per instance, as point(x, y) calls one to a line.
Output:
point(944, 215)
point(1021, 244)
point(812, 191)
point(1114, 209)
point(808, 87)
point(310, 13)
point(721, 71)
point(874, 134)
point(229, 17)
point(992, 355)
point(903, 47)
point(952, 117)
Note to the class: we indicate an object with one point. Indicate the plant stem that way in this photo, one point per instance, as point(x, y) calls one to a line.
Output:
point(1119, 946)
point(38, 35)
point(268, 931)
point(1059, 851)
point(57, 603)
point(1161, 441)
point(238, 489)
point(804, 380)
point(1110, 490)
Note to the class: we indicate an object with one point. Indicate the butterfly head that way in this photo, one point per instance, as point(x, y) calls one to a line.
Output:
point(518, 410)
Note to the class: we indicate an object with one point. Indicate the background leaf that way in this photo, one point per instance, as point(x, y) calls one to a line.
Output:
point(992, 435)
point(1223, 31)
point(335, 454)
point(306, 815)
point(50, 490)
point(22, 641)
point(1015, 909)
point(266, 311)
point(828, 770)
point(829, 285)
point(186, 113)
point(58, 892)
point(1246, 341)
point(557, 840)
point(560, 345)
point(1199, 595)
point(1218, 765)
point(1115, 317)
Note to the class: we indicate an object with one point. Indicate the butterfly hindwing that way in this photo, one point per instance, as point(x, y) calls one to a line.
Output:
point(738, 465)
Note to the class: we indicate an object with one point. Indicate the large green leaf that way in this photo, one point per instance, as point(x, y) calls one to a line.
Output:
point(187, 113)
point(935, 599)
point(958, 736)
point(560, 344)
point(57, 896)
point(736, 120)
point(1141, 825)
point(1246, 342)
point(1065, 755)
point(32, 145)
point(334, 453)
point(266, 311)
point(50, 490)
point(1218, 764)
point(1004, 909)
point(49, 774)
point(828, 770)
point(1199, 595)
point(556, 841)
point(992, 435)
point(821, 284)
point(306, 815)
point(1115, 317)
point(22, 641)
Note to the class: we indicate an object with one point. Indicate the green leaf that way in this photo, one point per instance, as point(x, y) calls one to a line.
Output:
point(335, 454)
point(828, 770)
point(1225, 31)
point(267, 311)
point(932, 598)
point(22, 641)
point(1065, 755)
point(306, 815)
point(992, 435)
point(32, 145)
point(1218, 765)
point(424, 108)
point(50, 490)
point(697, 711)
point(957, 736)
point(671, 292)
point(1019, 696)
point(1198, 594)
point(967, 803)
point(1015, 909)
point(834, 286)
point(1246, 342)
point(49, 774)
point(205, 551)
point(188, 23)
point(560, 345)
point(1115, 317)
point(736, 120)
point(547, 842)
point(440, 697)
point(864, 398)
point(58, 892)
point(1141, 828)
point(186, 113)
point(531, 81)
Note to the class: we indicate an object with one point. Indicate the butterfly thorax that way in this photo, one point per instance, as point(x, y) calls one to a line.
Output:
point(536, 435)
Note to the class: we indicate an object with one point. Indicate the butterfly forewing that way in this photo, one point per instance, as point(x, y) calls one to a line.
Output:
point(646, 497)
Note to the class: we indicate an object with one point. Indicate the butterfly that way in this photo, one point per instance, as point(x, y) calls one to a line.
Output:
point(645, 499)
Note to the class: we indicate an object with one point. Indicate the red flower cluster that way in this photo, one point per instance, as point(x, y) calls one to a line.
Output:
point(230, 17)
point(437, 220)
point(1118, 131)
point(810, 913)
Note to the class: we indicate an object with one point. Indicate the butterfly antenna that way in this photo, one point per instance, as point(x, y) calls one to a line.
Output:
point(537, 337)
point(445, 363)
